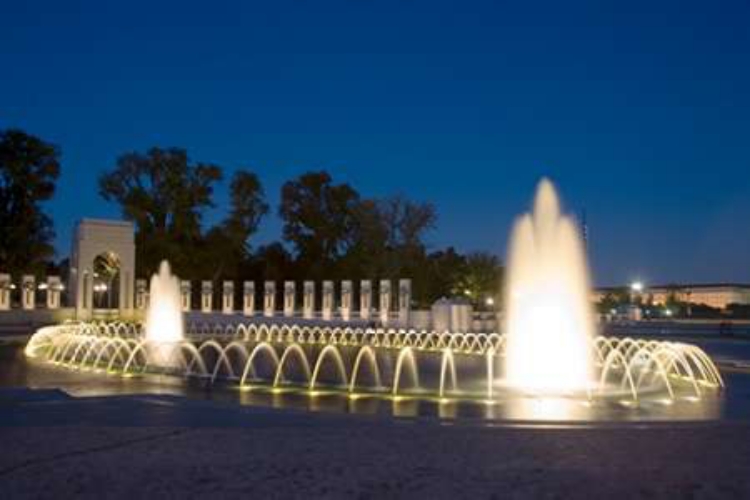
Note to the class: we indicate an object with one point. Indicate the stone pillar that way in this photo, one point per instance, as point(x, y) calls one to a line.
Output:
point(28, 292)
point(5, 288)
point(365, 299)
point(248, 298)
point(327, 300)
point(207, 297)
point(308, 300)
point(54, 288)
point(346, 300)
point(185, 295)
point(227, 297)
point(269, 299)
point(385, 301)
point(404, 302)
point(141, 295)
point(290, 298)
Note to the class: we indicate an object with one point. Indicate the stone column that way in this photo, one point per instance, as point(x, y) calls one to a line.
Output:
point(185, 295)
point(248, 298)
point(290, 298)
point(54, 288)
point(28, 292)
point(327, 300)
point(141, 295)
point(269, 299)
point(404, 302)
point(385, 302)
point(308, 300)
point(346, 300)
point(227, 298)
point(207, 297)
point(365, 299)
point(5, 288)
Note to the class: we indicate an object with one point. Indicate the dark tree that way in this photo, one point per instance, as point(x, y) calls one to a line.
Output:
point(442, 271)
point(387, 237)
point(226, 250)
point(248, 207)
point(406, 222)
point(479, 279)
point(165, 194)
point(273, 262)
point(318, 220)
point(29, 168)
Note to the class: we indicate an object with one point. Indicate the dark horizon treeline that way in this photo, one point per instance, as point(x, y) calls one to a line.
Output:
point(330, 230)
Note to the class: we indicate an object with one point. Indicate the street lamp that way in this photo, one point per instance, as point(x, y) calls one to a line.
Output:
point(100, 288)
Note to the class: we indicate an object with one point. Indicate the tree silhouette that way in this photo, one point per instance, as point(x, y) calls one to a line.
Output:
point(165, 194)
point(29, 168)
point(318, 220)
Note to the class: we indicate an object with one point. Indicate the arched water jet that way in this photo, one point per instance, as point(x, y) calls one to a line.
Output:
point(446, 363)
point(294, 349)
point(368, 353)
point(263, 347)
point(332, 351)
point(405, 356)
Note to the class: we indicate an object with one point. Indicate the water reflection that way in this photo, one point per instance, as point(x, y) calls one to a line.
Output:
point(17, 371)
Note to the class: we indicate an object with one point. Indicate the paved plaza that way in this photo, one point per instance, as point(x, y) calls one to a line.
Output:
point(163, 447)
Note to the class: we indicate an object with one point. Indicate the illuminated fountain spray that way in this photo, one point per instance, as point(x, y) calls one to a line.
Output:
point(549, 319)
point(164, 326)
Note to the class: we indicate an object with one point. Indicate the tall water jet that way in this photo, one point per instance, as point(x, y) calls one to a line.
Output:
point(549, 319)
point(164, 325)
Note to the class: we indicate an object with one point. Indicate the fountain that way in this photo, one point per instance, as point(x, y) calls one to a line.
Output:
point(164, 326)
point(549, 317)
point(549, 349)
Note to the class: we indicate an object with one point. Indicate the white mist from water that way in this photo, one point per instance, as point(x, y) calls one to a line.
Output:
point(164, 325)
point(549, 319)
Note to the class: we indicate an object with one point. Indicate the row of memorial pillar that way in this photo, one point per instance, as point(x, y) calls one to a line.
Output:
point(52, 286)
point(347, 309)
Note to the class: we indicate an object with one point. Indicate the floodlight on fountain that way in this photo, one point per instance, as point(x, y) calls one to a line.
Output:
point(549, 319)
point(637, 287)
point(164, 325)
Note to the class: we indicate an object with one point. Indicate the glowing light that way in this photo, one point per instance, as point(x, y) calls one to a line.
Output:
point(164, 328)
point(637, 287)
point(550, 322)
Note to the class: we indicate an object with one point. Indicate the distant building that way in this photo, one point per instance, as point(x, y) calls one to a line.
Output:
point(716, 295)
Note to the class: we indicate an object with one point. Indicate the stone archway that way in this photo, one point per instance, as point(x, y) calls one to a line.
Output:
point(93, 238)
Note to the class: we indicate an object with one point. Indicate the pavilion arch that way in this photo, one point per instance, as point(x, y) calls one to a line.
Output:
point(93, 238)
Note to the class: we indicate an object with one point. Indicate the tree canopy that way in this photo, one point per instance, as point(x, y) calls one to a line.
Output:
point(329, 230)
point(165, 194)
point(318, 218)
point(29, 168)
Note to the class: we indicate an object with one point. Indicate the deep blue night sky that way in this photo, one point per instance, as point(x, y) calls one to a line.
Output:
point(640, 112)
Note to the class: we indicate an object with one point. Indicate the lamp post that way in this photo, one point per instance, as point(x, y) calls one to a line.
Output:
point(636, 289)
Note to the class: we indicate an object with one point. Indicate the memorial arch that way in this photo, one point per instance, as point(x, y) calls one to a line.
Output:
point(99, 241)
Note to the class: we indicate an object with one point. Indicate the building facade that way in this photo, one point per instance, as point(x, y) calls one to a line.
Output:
point(715, 295)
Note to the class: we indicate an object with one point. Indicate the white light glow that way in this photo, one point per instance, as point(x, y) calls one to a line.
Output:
point(549, 318)
point(164, 325)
